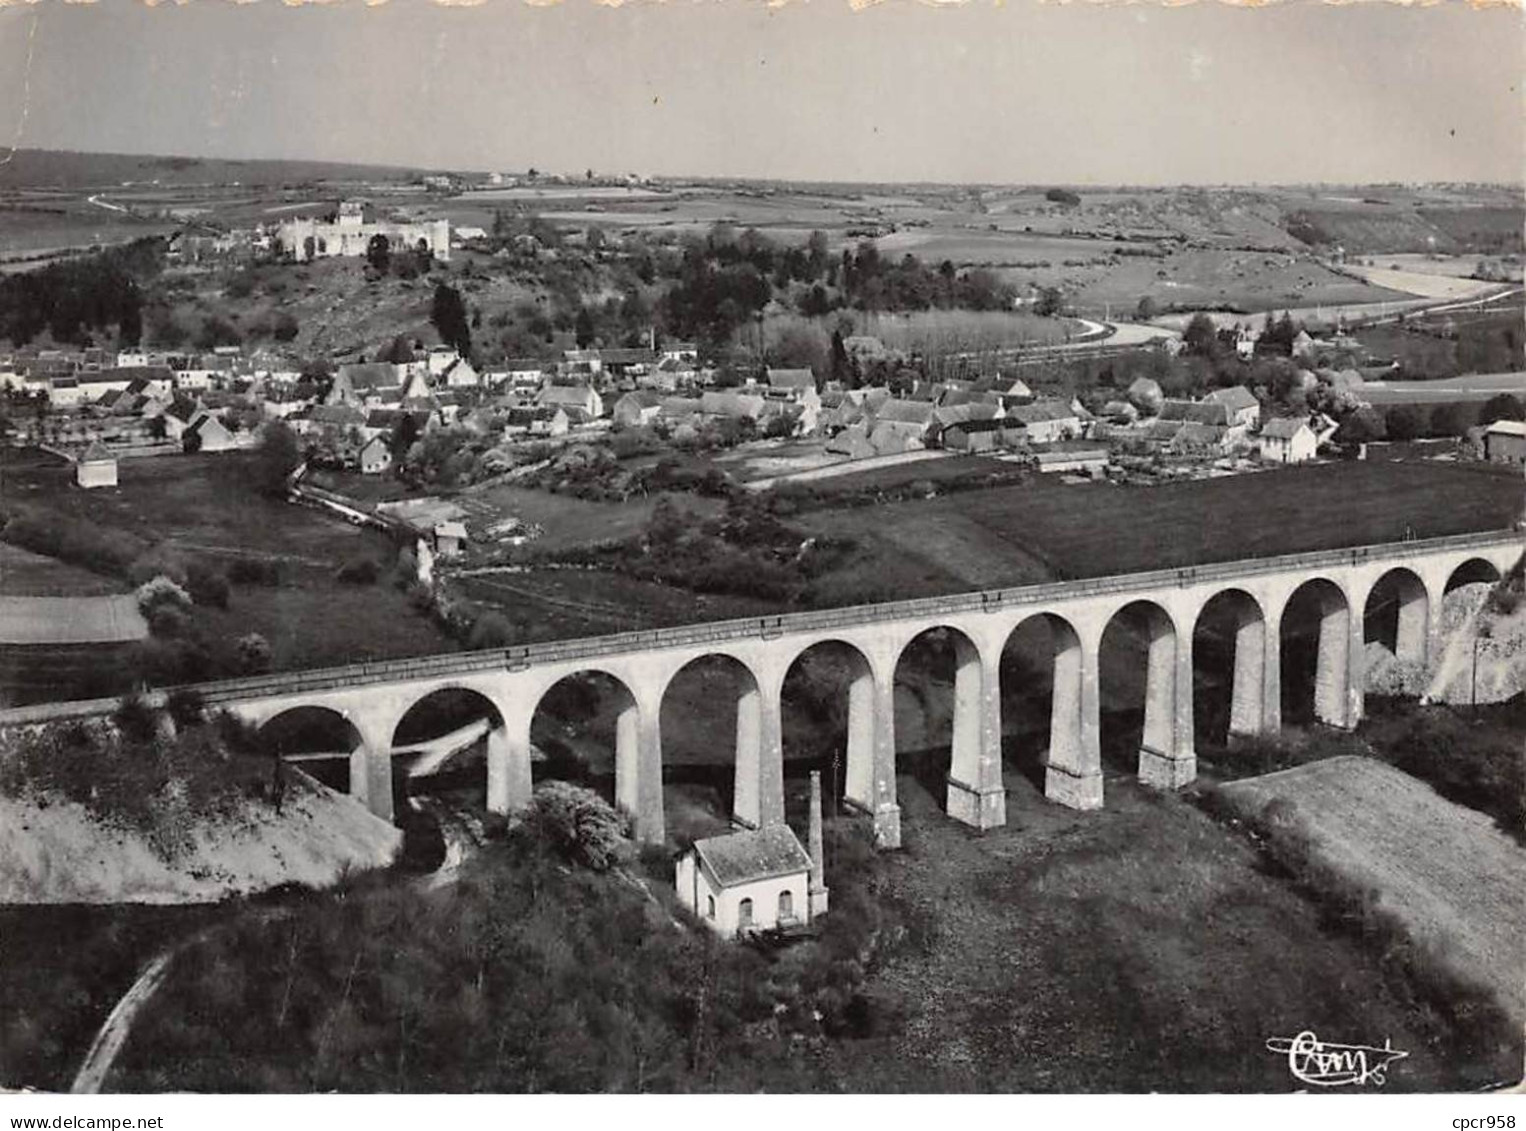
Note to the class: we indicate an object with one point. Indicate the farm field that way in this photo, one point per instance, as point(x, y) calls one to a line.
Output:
point(1019, 535)
point(204, 506)
point(1477, 387)
point(1446, 871)
point(199, 503)
point(554, 604)
point(1427, 284)
point(935, 471)
point(1053, 959)
point(569, 521)
point(25, 574)
point(1247, 281)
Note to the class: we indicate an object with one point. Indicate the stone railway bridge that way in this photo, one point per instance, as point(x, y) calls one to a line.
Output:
point(1164, 606)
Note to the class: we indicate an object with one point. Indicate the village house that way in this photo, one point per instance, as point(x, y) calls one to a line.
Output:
point(1045, 422)
point(1505, 442)
point(96, 467)
point(914, 422)
point(376, 456)
point(799, 385)
point(736, 406)
point(756, 879)
point(581, 403)
point(460, 375)
point(206, 371)
point(1243, 407)
point(681, 353)
point(362, 383)
point(1197, 412)
point(525, 374)
point(547, 422)
point(449, 539)
point(207, 434)
point(975, 435)
point(621, 364)
point(636, 408)
point(438, 359)
point(154, 380)
point(1196, 438)
point(587, 364)
point(1073, 461)
point(669, 375)
point(1288, 439)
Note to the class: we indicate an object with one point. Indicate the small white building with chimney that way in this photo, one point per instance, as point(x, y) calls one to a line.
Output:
point(756, 879)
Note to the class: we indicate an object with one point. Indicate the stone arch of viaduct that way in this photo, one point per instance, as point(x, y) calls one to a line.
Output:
point(1168, 604)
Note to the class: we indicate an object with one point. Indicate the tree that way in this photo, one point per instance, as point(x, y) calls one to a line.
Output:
point(379, 253)
point(399, 351)
point(284, 328)
point(1146, 310)
point(130, 328)
point(584, 328)
point(1449, 420)
point(1405, 422)
point(1361, 427)
point(277, 456)
point(1050, 302)
point(1501, 407)
point(578, 824)
point(448, 314)
point(253, 653)
point(1200, 335)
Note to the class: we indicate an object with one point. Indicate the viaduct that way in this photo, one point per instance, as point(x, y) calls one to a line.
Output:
point(1163, 607)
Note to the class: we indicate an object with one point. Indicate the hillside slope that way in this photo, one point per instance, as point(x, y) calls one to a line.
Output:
point(55, 852)
point(1445, 871)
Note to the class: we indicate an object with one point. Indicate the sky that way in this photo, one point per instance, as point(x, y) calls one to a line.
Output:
point(1019, 92)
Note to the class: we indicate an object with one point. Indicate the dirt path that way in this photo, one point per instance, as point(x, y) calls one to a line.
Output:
point(113, 1035)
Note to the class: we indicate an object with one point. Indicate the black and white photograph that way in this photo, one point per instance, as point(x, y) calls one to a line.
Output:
point(949, 549)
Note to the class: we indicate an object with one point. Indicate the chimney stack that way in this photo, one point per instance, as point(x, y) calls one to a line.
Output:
point(817, 898)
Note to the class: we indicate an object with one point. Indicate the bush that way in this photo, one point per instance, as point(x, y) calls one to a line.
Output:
point(74, 540)
point(359, 571)
point(135, 719)
point(161, 592)
point(254, 653)
point(167, 620)
point(207, 585)
point(490, 630)
point(406, 570)
point(579, 825)
point(186, 706)
point(158, 562)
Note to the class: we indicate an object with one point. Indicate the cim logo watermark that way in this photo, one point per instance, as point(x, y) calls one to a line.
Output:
point(1328, 1065)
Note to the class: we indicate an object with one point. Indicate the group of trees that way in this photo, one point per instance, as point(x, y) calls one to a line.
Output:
point(78, 297)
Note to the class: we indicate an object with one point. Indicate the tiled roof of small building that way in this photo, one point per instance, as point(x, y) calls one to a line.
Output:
point(753, 854)
point(1283, 428)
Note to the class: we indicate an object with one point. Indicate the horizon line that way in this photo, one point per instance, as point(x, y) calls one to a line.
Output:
point(686, 178)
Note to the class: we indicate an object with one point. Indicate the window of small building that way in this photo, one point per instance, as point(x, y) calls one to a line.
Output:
point(744, 913)
point(710, 907)
point(786, 905)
